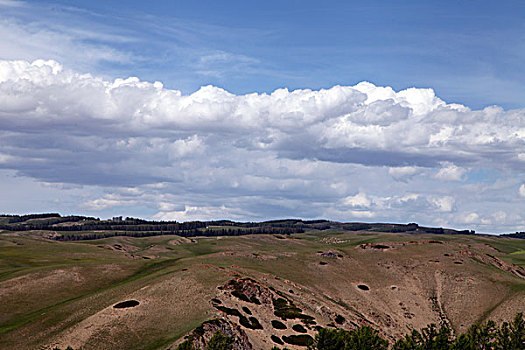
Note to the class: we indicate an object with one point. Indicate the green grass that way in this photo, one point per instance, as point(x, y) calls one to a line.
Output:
point(294, 258)
point(518, 252)
point(146, 270)
point(36, 255)
point(507, 245)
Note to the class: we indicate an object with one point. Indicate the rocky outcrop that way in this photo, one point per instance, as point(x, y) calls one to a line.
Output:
point(248, 290)
point(200, 336)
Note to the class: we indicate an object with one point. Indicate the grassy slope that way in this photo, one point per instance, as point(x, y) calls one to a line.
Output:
point(48, 287)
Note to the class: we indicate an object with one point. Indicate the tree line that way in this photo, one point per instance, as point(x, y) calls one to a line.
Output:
point(184, 233)
point(56, 222)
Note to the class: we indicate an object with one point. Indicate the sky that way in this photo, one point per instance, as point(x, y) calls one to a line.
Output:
point(408, 111)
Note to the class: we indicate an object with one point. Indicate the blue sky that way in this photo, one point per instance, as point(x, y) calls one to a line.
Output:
point(470, 52)
point(260, 110)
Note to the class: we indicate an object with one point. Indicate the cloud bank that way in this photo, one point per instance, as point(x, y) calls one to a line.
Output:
point(346, 153)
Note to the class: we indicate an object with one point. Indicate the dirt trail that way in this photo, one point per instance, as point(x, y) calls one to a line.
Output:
point(438, 299)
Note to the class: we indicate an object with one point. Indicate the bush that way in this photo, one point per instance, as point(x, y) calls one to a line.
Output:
point(478, 336)
point(363, 338)
point(339, 319)
point(366, 338)
point(228, 311)
point(485, 336)
point(276, 339)
point(251, 322)
point(219, 341)
point(301, 339)
point(512, 336)
point(287, 310)
point(278, 324)
point(186, 345)
point(299, 328)
point(429, 338)
point(330, 339)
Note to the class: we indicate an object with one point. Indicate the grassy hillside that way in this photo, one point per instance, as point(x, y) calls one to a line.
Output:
point(60, 293)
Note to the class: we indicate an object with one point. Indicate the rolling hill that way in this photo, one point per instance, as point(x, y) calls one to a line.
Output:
point(131, 284)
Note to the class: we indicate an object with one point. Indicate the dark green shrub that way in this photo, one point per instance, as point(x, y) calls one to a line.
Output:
point(251, 323)
point(229, 311)
point(517, 333)
point(240, 295)
point(219, 341)
point(330, 339)
point(280, 303)
point(276, 340)
point(186, 345)
point(299, 328)
point(363, 338)
point(478, 336)
point(278, 324)
point(429, 338)
point(366, 338)
point(485, 336)
point(301, 339)
point(339, 319)
point(287, 310)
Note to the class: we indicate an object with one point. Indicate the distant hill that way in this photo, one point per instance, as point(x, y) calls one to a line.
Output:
point(76, 227)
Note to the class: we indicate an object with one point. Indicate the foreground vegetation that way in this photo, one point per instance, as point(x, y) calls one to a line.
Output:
point(486, 336)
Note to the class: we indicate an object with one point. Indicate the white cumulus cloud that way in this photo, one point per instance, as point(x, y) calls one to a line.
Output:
point(443, 204)
point(451, 172)
point(400, 173)
point(358, 151)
